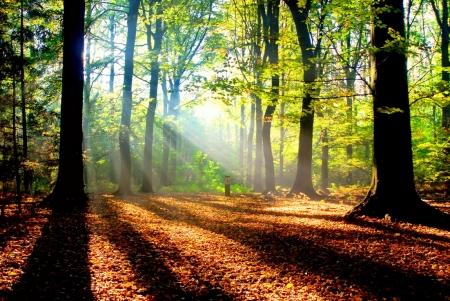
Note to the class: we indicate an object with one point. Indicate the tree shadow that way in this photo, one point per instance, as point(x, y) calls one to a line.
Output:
point(16, 227)
point(281, 249)
point(150, 264)
point(249, 210)
point(58, 268)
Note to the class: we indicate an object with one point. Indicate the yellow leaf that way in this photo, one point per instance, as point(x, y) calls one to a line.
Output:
point(289, 285)
point(128, 284)
point(434, 266)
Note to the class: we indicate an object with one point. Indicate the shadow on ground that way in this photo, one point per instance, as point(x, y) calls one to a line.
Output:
point(58, 267)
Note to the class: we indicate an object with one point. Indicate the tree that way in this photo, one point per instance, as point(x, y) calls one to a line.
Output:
point(69, 188)
point(271, 33)
point(442, 20)
point(303, 179)
point(392, 192)
point(185, 33)
point(153, 34)
point(125, 123)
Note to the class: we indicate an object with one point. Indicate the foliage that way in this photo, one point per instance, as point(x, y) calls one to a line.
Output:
point(207, 246)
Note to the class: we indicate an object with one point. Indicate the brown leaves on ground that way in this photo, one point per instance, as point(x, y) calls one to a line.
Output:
point(209, 247)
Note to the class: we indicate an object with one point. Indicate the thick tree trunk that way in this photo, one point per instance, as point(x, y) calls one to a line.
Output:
point(69, 188)
point(303, 178)
point(125, 124)
point(392, 193)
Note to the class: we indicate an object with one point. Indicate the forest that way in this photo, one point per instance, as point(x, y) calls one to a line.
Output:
point(122, 121)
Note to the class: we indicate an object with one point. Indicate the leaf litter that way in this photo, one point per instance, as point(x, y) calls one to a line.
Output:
point(210, 247)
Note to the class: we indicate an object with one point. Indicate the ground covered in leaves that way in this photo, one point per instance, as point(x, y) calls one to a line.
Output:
point(209, 247)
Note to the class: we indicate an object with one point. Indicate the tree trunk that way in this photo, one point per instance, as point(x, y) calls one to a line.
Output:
point(125, 124)
point(257, 177)
point(87, 104)
point(350, 76)
point(303, 178)
point(251, 132)
point(15, 151)
point(282, 135)
point(154, 50)
point(113, 173)
point(325, 159)
point(241, 146)
point(271, 34)
point(392, 193)
point(69, 188)
point(173, 133)
point(26, 172)
point(166, 136)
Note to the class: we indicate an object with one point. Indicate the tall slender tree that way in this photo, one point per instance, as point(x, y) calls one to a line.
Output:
point(154, 43)
point(303, 178)
point(125, 123)
point(272, 32)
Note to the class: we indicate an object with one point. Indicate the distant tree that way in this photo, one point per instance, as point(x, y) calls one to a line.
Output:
point(442, 19)
point(69, 188)
point(125, 123)
point(154, 42)
point(392, 193)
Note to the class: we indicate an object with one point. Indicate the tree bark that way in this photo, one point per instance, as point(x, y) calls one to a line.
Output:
point(69, 188)
point(257, 177)
point(392, 193)
point(26, 172)
point(241, 145)
point(86, 103)
point(166, 136)
point(303, 178)
point(251, 132)
point(125, 124)
point(154, 50)
point(271, 34)
point(113, 172)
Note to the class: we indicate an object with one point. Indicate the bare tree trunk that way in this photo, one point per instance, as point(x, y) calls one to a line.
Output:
point(15, 152)
point(166, 135)
point(125, 124)
point(251, 132)
point(26, 172)
point(113, 174)
point(303, 179)
point(87, 104)
point(241, 145)
point(155, 49)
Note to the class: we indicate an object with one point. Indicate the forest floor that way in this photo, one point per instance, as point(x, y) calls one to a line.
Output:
point(209, 247)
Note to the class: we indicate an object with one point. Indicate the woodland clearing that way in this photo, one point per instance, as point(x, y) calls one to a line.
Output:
point(210, 247)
